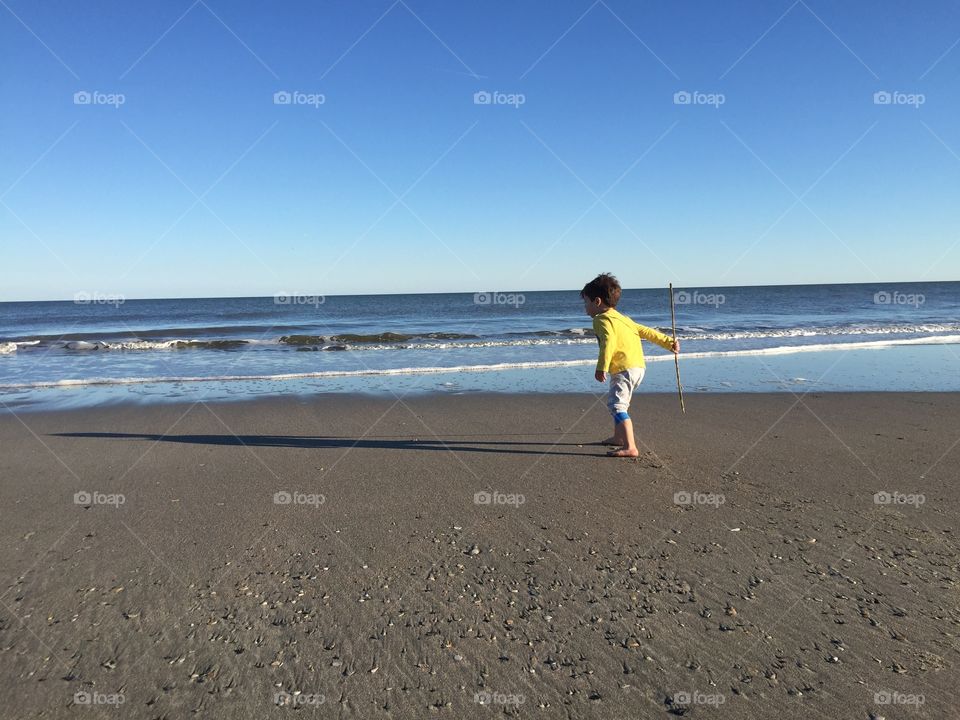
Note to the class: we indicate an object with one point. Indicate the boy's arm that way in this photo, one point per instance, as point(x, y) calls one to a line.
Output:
point(603, 328)
point(648, 333)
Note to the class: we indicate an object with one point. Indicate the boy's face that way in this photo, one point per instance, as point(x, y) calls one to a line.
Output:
point(593, 307)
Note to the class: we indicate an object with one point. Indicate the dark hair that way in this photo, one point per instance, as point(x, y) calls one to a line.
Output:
point(604, 286)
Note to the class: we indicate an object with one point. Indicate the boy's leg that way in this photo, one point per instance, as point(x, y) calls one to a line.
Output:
point(628, 445)
point(626, 431)
point(611, 402)
point(619, 436)
point(620, 396)
point(615, 439)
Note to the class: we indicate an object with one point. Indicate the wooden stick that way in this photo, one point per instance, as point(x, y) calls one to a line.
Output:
point(676, 356)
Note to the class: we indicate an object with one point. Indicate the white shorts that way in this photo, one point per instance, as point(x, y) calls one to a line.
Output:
point(621, 390)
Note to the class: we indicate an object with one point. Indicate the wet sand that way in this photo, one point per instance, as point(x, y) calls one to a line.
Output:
point(473, 556)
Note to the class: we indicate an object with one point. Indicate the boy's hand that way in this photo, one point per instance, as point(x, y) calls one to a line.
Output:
point(600, 375)
point(675, 348)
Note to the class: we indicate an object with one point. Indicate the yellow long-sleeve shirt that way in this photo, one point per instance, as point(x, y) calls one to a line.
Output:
point(619, 338)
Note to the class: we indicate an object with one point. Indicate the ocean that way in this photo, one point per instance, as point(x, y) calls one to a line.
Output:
point(104, 349)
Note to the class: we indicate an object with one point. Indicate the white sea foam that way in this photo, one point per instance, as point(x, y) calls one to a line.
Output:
point(142, 345)
point(701, 334)
point(823, 347)
point(11, 347)
point(72, 382)
point(472, 344)
point(182, 343)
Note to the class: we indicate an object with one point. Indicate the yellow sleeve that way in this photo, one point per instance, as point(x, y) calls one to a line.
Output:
point(648, 333)
point(604, 330)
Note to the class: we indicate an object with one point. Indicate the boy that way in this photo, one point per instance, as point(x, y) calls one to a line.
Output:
point(621, 354)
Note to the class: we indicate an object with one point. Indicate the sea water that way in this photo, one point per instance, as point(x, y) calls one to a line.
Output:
point(92, 350)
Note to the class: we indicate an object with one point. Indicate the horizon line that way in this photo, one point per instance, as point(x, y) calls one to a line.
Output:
point(470, 292)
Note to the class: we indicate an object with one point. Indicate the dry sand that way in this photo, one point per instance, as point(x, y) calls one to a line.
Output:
point(586, 588)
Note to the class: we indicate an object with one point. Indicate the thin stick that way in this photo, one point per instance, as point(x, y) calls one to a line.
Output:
point(676, 356)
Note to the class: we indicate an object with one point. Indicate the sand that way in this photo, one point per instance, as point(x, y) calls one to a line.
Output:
point(475, 556)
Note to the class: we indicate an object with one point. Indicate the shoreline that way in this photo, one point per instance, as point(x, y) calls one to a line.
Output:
point(907, 368)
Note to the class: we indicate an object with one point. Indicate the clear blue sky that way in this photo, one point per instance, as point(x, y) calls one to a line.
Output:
point(304, 198)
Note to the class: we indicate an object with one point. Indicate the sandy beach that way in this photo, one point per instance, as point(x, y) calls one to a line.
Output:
point(473, 556)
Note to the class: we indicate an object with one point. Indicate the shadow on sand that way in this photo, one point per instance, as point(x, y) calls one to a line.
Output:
point(456, 443)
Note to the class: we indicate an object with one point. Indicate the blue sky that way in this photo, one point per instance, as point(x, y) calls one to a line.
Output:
point(199, 184)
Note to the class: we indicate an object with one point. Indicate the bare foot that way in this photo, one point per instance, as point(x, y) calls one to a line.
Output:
point(611, 441)
point(625, 452)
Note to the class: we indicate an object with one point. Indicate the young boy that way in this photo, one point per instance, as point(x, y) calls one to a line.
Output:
point(621, 354)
